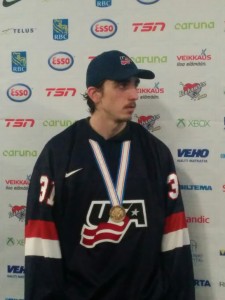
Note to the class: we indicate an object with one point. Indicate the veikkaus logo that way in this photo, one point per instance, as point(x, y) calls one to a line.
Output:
point(147, 1)
point(193, 60)
point(151, 92)
point(104, 28)
point(19, 92)
point(103, 3)
point(61, 61)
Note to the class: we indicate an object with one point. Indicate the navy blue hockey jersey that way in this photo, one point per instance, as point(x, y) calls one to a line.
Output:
point(75, 252)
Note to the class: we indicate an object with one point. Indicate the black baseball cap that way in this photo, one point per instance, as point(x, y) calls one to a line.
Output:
point(113, 65)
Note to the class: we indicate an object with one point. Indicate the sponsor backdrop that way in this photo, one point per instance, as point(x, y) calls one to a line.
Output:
point(46, 46)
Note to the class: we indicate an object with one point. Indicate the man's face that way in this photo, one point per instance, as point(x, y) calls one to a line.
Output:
point(118, 99)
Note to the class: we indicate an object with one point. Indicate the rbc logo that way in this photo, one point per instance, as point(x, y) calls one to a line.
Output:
point(19, 62)
point(103, 3)
point(60, 29)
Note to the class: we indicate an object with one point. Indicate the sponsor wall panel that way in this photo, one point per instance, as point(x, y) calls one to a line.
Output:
point(45, 49)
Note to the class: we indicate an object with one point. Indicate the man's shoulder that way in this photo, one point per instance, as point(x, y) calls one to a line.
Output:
point(139, 131)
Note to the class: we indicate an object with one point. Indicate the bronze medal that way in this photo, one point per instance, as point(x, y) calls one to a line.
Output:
point(117, 213)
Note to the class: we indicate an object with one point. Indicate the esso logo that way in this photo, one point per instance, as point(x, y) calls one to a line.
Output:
point(147, 1)
point(61, 61)
point(19, 92)
point(104, 28)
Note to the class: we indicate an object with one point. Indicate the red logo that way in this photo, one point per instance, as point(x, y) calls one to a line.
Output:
point(61, 92)
point(100, 229)
point(148, 122)
point(193, 90)
point(19, 122)
point(18, 211)
point(149, 26)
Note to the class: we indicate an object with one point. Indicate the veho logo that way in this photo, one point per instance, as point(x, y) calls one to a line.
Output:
point(19, 92)
point(193, 153)
point(60, 61)
point(104, 28)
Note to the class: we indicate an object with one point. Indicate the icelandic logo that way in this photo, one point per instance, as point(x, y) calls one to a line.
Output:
point(60, 29)
point(147, 1)
point(19, 92)
point(18, 211)
point(193, 90)
point(100, 229)
point(103, 3)
point(148, 122)
point(61, 61)
point(104, 28)
point(19, 62)
point(124, 60)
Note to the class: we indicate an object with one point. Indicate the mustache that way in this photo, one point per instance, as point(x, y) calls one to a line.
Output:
point(131, 105)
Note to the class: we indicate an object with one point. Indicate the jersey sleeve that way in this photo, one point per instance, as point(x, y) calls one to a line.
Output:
point(176, 252)
point(43, 259)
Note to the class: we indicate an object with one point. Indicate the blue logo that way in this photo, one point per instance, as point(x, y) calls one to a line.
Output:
point(19, 92)
point(103, 3)
point(19, 61)
point(104, 28)
point(148, 1)
point(193, 153)
point(61, 61)
point(60, 29)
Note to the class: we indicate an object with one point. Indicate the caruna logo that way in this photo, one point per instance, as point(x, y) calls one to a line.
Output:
point(19, 92)
point(61, 61)
point(147, 1)
point(104, 28)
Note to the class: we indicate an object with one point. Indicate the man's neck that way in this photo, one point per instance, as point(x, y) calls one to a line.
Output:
point(105, 127)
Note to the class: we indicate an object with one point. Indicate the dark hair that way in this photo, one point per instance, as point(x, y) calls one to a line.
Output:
point(90, 103)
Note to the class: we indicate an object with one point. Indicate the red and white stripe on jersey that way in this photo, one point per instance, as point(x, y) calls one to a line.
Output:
point(42, 239)
point(175, 232)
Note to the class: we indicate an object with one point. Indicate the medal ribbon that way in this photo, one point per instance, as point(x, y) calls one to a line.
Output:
point(115, 194)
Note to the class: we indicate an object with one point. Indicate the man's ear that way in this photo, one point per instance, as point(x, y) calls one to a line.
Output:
point(94, 94)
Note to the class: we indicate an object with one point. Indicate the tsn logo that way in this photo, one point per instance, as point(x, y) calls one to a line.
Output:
point(148, 26)
point(61, 92)
point(19, 122)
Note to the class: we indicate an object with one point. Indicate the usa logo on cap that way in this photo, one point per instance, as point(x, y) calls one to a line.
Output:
point(124, 60)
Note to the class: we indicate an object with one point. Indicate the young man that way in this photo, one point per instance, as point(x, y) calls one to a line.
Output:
point(105, 218)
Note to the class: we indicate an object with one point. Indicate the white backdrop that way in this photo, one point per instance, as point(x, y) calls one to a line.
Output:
point(45, 47)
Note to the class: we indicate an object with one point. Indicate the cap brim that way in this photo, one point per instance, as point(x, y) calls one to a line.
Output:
point(145, 74)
